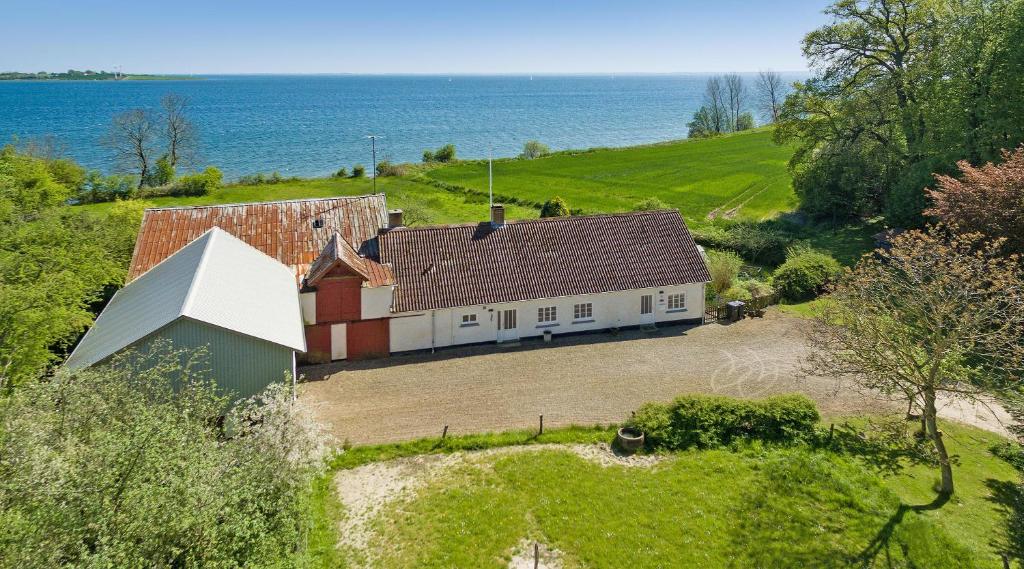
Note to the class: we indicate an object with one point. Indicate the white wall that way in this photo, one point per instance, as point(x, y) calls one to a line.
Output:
point(376, 302)
point(307, 300)
point(610, 310)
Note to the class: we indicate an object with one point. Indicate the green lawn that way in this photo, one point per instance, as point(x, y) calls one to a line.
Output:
point(423, 203)
point(742, 175)
point(755, 507)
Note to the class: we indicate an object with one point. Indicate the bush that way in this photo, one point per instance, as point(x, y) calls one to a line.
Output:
point(341, 173)
point(650, 204)
point(710, 421)
point(736, 292)
point(445, 154)
point(428, 156)
point(358, 171)
point(387, 168)
point(755, 242)
point(724, 267)
point(534, 149)
point(137, 472)
point(197, 184)
point(162, 174)
point(554, 207)
point(756, 288)
point(98, 188)
point(805, 273)
point(745, 122)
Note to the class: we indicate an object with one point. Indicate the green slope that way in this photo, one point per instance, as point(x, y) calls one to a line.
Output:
point(742, 176)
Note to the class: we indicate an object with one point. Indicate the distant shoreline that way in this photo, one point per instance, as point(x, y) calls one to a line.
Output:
point(73, 75)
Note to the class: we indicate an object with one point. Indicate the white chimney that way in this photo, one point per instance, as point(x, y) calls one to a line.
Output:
point(394, 218)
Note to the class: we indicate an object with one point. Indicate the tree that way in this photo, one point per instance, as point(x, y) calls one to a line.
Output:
point(54, 263)
point(702, 125)
point(736, 93)
point(902, 89)
point(716, 105)
point(138, 472)
point(931, 317)
point(534, 149)
point(179, 133)
point(554, 207)
point(162, 172)
point(445, 154)
point(744, 122)
point(769, 94)
point(132, 137)
point(987, 199)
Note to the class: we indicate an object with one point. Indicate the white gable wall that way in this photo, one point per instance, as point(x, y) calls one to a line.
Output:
point(444, 327)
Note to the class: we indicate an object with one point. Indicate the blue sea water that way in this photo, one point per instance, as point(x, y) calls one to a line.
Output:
point(310, 125)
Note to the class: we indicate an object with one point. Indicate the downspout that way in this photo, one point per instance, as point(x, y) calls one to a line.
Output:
point(295, 379)
point(433, 330)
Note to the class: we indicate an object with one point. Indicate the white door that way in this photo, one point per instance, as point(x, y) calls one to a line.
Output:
point(508, 327)
point(339, 342)
point(647, 309)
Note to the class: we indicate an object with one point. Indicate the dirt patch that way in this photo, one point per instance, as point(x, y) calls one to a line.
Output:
point(529, 554)
point(364, 490)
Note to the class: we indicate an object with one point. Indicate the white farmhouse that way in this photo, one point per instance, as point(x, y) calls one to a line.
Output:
point(497, 281)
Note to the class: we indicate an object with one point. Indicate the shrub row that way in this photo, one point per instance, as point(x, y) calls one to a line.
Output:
point(192, 185)
point(710, 421)
point(760, 243)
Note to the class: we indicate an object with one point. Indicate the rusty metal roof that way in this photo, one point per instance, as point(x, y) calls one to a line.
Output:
point(294, 232)
point(467, 265)
point(339, 253)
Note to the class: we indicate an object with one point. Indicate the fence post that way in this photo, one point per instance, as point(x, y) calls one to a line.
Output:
point(541, 432)
point(444, 433)
point(831, 432)
point(536, 556)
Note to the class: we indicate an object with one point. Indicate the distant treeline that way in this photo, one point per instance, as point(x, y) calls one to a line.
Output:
point(76, 75)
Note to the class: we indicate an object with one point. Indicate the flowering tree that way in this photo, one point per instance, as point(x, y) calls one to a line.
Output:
point(988, 199)
point(930, 317)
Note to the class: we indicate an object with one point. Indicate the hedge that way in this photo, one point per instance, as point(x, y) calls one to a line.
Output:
point(711, 421)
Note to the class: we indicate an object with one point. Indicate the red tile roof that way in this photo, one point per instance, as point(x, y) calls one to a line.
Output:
point(284, 229)
point(338, 252)
point(467, 265)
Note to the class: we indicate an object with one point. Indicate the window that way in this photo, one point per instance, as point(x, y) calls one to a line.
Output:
point(469, 320)
point(583, 311)
point(677, 301)
point(647, 304)
point(547, 314)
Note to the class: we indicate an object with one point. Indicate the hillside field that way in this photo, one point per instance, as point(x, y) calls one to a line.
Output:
point(741, 176)
point(738, 176)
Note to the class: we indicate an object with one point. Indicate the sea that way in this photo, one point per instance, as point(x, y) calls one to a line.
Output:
point(312, 125)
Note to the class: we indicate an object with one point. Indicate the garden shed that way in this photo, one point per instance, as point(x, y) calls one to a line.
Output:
point(217, 293)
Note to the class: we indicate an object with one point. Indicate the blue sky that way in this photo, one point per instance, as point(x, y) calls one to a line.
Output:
point(432, 36)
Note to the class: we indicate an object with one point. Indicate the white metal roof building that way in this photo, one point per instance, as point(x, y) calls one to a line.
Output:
point(216, 292)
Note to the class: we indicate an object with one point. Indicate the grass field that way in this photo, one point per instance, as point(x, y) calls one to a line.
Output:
point(742, 176)
point(420, 201)
point(753, 507)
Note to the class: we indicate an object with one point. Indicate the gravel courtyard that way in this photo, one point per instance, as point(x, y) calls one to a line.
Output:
point(597, 378)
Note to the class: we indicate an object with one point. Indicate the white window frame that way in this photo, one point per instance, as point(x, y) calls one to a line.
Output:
point(583, 311)
point(547, 315)
point(676, 302)
point(470, 320)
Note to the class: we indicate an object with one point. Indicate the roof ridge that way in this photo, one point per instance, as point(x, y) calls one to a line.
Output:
point(271, 202)
point(200, 268)
point(529, 221)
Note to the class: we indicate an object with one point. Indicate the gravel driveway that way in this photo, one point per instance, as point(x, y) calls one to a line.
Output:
point(596, 378)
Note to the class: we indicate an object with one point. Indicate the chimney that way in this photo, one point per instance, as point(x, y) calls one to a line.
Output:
point(394, 218)
point(497, 215)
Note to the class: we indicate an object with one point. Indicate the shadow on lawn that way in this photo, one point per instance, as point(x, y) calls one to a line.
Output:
point(1010, 498)
point(885, 447)
point(880, 543)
